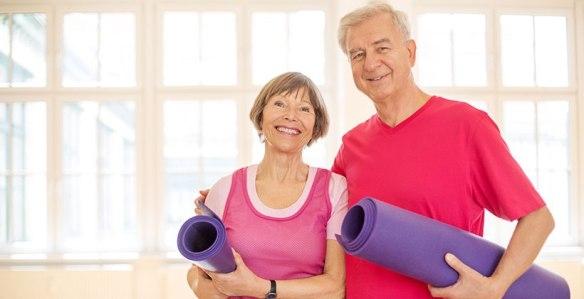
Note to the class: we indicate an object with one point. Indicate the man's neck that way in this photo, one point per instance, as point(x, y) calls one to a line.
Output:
point(394, 110)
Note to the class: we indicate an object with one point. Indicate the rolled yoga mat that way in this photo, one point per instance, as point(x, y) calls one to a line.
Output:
point(415, 246)
point(202, 240)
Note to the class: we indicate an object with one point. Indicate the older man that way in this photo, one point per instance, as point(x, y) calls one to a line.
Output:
point(436, 157)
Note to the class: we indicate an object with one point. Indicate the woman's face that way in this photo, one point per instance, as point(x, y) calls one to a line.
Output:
point(288, 121)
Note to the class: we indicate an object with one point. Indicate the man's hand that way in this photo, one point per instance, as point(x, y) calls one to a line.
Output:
point(202, 285)
point(201, 199)
point(470, 285)
point(241, 282)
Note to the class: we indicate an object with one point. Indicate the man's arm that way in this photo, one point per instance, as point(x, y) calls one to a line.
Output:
point(528, 237)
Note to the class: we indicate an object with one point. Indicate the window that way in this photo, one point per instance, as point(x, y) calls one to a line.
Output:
point(199, 149)
point(452, 49)
point(534, 50)
point(200, 48)
point(98, 154)
point(538, 135)
point(287, 41)
point(23, 174)
point(536, 123)
point(99, 50)
point(23, 50)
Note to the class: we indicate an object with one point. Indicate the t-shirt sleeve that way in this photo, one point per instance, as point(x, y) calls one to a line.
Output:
point(217, 197)
point(338, 196)
point(338, 165)
point(498, 182)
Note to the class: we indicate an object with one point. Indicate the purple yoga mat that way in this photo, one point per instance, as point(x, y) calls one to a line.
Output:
point(415, 246)
point(203, 241)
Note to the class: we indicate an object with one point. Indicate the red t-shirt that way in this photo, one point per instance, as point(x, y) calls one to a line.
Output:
point(446, 161)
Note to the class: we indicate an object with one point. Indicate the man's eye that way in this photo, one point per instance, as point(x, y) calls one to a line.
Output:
point(357, 56)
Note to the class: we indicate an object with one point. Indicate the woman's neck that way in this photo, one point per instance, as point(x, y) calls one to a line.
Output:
point(282, 167)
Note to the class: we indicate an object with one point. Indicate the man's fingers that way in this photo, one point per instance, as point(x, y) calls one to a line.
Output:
point(458, 265)
point(438, 292)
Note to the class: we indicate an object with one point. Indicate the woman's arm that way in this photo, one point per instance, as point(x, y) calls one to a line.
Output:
point(330, 284)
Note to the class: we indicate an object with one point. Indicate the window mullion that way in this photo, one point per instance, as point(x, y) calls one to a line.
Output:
point(10, 64)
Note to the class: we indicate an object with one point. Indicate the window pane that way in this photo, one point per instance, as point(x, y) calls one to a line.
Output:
point(307, 44)
point(99, 204)
point(199, 149)
point(469, 47)
point(117, 47)
point(269, 45)
point(551, 51)
point(434, 51)
point(200, 48)
point(28, 49)
point(452, 45)
point(218, 49)
point(80, 49)
point(99, 49)
point(23, 174)
point(538, 136)
point(4, 48)
point(554, 163)
point(279, 44)
point(517, 57)
point(520, 131)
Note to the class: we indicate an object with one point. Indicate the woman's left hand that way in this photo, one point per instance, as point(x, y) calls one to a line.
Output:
point(241, 282)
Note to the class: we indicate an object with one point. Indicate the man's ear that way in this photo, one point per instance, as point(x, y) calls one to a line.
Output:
point(411, 46)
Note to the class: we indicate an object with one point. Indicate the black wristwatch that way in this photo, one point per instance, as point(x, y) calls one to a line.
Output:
point(272, 293)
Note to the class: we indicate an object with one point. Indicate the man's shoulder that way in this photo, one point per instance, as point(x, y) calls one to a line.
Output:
point(456, 109)
point(362, 128)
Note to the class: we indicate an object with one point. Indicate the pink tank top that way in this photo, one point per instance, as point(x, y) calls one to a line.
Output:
point(279, 248)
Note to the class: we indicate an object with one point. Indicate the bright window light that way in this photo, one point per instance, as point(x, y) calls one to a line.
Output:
point(200, 48)
point(452, 49)
point(23, 189)
point(99, 50)
point(99, 202)
point(199, 148)
point(23, 50)
point(283, 41)
point(534, 51)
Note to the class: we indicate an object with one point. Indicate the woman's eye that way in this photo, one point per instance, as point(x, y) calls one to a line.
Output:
point(305, 109)
point(279, 104)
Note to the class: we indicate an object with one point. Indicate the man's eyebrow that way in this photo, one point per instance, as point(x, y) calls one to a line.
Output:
point(353, 51)
point(381, 41)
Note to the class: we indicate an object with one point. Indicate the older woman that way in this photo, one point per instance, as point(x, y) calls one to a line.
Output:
point(281, 215)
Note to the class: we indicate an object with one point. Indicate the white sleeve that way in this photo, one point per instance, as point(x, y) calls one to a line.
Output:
point(339, 201)
point(217, 197)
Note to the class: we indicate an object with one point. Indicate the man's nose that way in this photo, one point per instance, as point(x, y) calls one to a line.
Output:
point(371, 62)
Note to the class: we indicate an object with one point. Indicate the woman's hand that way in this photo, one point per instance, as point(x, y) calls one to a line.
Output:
point(241, 282)
point(202, 285)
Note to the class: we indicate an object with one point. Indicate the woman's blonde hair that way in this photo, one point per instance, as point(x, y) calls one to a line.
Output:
point(286, 84)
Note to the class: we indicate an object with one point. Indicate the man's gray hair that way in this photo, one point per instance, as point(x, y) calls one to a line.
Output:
point(356, 17)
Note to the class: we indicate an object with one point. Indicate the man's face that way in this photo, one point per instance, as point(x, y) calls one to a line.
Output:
point(380, 56)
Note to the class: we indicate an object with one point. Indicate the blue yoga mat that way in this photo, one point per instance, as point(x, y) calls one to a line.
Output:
point(202, 240)
point(415, 246)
